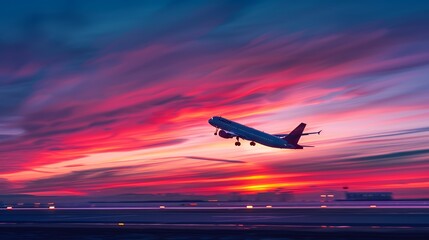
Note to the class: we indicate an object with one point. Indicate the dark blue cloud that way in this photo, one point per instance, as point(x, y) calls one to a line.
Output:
point(215, 159)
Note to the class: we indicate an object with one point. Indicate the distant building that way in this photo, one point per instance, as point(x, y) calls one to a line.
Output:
point(369, 196)
point(273, 197)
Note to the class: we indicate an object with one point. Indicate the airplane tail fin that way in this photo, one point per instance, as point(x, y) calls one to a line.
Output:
point(294, 136)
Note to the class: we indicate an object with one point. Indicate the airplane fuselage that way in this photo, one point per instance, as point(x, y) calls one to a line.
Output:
point(249, 133)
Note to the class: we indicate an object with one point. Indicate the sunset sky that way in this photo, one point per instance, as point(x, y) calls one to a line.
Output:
point(111, 97)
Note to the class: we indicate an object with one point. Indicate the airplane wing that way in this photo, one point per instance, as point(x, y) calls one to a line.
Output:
point(280, 135)
point(230, 134)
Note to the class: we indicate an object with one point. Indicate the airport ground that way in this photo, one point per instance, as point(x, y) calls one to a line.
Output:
point(217, 223)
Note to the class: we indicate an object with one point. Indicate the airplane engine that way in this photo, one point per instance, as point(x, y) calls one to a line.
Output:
point(225, 134)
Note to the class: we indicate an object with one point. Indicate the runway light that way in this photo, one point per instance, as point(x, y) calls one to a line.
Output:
point(51, 207)
point(373, 206)
point(249, 206)
point(121, 224)
point(9, 207)
point(323, 206)
point(162, 206)
point(322, 195)
point(330, 195)
point(268, 206)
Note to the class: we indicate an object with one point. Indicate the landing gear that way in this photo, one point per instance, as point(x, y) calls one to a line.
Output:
point(252, 143)
point(238, 143)
point(215, 133)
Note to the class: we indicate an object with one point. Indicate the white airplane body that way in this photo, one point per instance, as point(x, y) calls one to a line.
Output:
point(231, 129)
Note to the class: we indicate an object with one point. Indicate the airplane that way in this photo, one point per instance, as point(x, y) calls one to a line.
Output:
point(231, 129)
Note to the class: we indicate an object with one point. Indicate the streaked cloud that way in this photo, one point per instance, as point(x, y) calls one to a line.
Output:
point(214, 159)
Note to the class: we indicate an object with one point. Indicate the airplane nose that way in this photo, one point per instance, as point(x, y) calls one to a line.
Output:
point(212, 122)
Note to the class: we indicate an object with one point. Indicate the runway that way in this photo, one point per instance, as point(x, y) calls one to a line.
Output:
point(404, 217)
point(215, 223)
